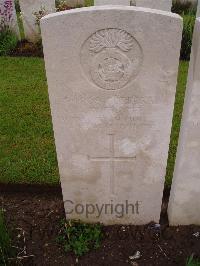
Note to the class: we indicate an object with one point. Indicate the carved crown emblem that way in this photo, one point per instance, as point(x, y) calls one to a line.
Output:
point(111, 38)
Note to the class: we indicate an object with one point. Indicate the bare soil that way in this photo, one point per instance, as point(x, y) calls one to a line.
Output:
point(33, 215)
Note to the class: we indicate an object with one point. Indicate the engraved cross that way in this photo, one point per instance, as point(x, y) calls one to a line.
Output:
point(112, 159)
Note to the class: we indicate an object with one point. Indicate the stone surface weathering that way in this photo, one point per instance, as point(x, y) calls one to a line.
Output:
point(112, 89)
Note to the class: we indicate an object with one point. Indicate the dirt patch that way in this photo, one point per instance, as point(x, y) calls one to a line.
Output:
point(33, 215)
point(27, 49)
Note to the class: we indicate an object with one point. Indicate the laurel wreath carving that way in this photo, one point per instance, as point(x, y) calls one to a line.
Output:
point(111, 38)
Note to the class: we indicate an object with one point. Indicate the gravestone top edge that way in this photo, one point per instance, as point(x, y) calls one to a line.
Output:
point(111, 7)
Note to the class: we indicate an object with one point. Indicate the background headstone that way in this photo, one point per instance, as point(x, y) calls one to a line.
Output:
point(112, 90)
point(198, 9)
point(8, 15)
point(165, 5)
point(28, 8)
point(111, 2)
point(184, 204)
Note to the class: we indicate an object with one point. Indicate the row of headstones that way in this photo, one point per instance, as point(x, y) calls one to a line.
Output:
point(149, 152)
point(112, 74)
point(164, 5)
point(155, 4)
point(30, 7)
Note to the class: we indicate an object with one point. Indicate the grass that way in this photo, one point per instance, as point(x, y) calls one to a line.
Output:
point(178, 108)
point(192, 262)
point(89, 2)
point(27, 153)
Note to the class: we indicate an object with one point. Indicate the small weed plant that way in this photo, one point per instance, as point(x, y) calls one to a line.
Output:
point(80, 237)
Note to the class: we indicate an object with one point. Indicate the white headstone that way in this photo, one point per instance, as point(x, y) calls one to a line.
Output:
point(111, 2)
point(8, 16)
point(184, 204)
point(165, 5)
point(28, 8)
point(112, 90)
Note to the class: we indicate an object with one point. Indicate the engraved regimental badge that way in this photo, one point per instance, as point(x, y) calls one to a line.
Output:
point(111, 58)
